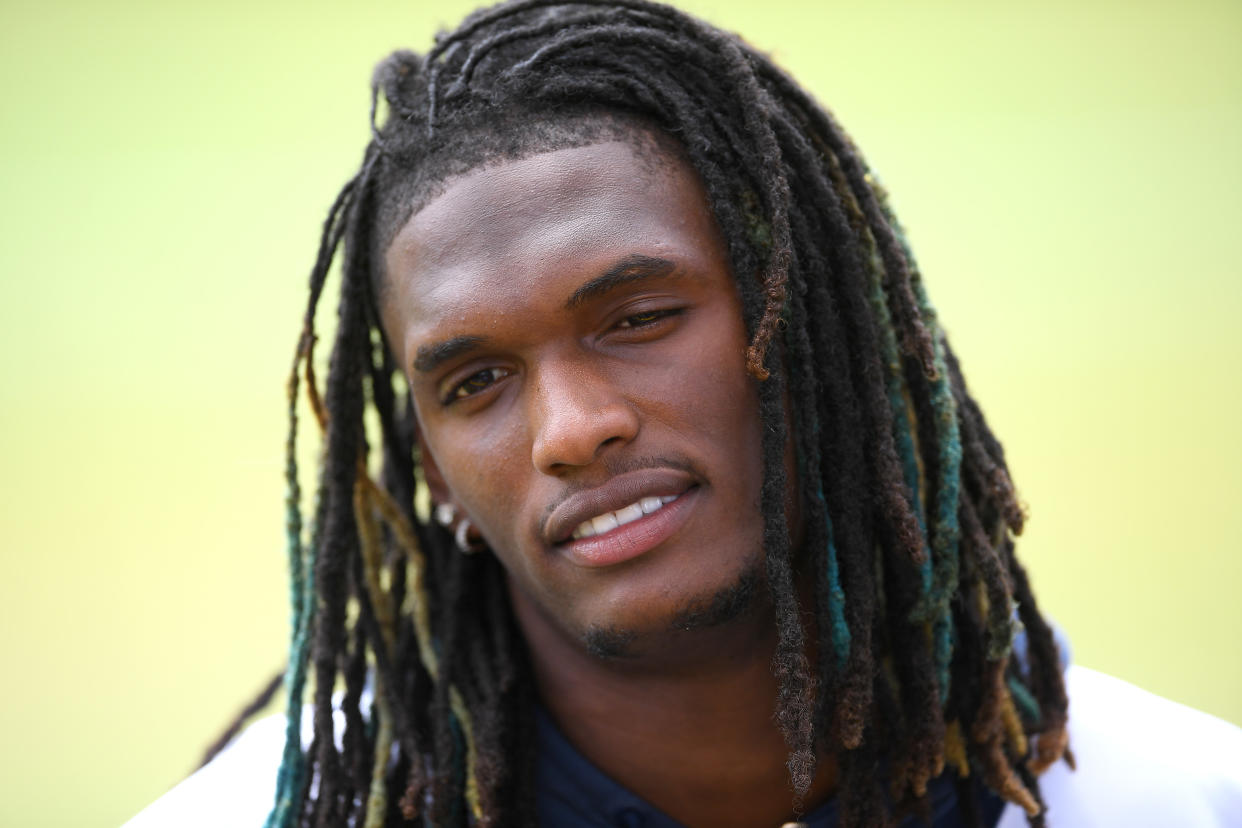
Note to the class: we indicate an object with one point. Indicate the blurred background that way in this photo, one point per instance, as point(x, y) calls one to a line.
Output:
point(1070, 174)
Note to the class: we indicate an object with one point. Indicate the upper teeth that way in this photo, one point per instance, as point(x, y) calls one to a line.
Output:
point(611, 520)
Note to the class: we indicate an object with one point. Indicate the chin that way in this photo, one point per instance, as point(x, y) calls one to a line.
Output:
point(714, 609)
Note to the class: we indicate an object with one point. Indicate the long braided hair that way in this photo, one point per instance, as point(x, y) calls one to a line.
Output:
point(908, 506)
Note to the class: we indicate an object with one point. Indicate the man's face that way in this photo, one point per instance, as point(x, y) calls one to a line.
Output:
point(575, 350)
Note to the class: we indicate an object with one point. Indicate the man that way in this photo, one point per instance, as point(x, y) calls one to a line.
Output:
point(716, 536)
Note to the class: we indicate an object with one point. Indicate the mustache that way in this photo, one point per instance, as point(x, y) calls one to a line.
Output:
point(618, 465)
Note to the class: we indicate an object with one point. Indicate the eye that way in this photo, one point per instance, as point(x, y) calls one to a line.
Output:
point(644, 319)
point(476, 383)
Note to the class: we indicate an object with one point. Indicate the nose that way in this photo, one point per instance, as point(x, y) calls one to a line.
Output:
point(575, 416)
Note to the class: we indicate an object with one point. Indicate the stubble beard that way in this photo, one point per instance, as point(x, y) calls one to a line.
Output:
point(722, 607)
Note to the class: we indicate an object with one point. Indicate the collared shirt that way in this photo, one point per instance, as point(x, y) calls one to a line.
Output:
point(573, 793)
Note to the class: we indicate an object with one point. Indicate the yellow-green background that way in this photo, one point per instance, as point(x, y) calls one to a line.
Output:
point(1070, 173)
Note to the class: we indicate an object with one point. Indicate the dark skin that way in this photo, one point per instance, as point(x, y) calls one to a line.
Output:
point(574, 344)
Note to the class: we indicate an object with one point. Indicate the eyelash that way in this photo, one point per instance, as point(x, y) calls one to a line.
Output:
point(635, 321)
point(655, 317)
point(455, 393)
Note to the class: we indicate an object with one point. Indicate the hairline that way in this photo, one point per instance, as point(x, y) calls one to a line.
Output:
point(655, 148)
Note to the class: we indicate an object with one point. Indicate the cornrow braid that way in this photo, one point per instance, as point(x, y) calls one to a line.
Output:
point(908, 507)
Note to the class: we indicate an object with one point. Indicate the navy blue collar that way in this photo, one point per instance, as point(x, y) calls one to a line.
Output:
point(573, 793)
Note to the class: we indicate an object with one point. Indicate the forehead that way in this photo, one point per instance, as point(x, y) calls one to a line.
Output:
point(499, 233)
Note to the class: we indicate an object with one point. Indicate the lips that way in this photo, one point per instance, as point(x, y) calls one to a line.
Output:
point(608, 521)
point(624, 517)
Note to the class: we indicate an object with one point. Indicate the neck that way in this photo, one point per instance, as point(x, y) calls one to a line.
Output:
point(687, 726)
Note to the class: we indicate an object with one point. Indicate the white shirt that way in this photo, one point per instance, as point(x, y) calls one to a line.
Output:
point(1142, 761)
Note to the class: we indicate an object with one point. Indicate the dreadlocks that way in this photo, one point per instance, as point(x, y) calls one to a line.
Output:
point(908, 505)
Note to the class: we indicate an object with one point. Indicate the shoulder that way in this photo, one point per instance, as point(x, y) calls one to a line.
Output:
point(1142, 760)
point(237, 788)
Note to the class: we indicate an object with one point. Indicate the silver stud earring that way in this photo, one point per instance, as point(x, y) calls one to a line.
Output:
point(446, 513)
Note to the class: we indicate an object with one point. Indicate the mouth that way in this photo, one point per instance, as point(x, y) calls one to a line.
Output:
point(602, 524)
point(629, 515)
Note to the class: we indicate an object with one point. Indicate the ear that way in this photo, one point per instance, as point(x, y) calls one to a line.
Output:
point(455, 522)
point(431, 471)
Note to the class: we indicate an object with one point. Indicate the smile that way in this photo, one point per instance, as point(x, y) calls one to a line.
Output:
point(608, 521)
point(628, 533)
point(627, 516)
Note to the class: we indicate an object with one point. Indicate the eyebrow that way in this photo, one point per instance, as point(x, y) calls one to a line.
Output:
point(429, 357)
point(630, 269)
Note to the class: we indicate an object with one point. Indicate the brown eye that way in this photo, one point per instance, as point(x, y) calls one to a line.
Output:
point(475, 383)
point(641, 320)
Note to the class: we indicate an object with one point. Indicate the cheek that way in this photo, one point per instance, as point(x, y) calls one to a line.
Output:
point(728, 399)
point(713, 404)
point(484, 475)
point(741, 431)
